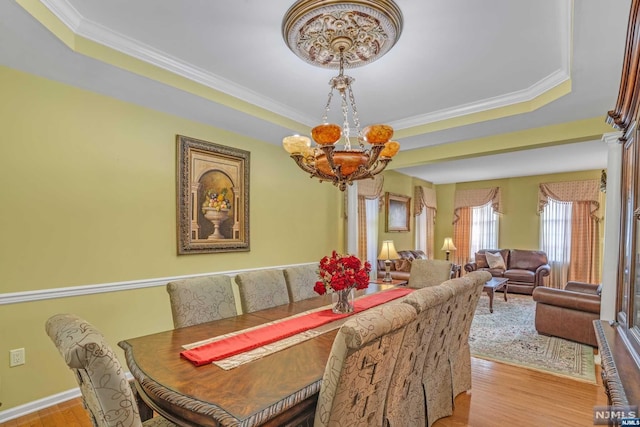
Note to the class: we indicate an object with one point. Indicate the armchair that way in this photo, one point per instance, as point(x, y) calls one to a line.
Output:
point(568, 313)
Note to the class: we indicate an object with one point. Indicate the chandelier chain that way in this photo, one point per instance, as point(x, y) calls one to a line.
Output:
point(328, 106)
point(356, 119)
point(345, 125)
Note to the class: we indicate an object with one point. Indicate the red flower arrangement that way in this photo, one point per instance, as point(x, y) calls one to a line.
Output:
point(341, 272)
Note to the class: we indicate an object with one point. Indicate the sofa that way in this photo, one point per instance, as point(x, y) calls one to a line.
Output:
point(568, 313)
point(401, 268)
point(525, 269)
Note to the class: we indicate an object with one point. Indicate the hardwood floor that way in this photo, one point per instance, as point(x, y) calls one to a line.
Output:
point(502, 395)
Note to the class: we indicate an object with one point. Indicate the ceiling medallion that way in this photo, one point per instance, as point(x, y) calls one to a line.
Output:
point(312, 28)
point(342, 34)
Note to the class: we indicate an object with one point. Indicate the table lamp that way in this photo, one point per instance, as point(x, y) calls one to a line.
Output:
point(448, 246)
point(387, 253)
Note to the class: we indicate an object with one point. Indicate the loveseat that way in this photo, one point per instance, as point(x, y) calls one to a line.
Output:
point(401, 268)
point(568, 313)
point(525, 269)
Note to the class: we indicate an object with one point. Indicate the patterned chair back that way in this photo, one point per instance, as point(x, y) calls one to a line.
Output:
point(436, 377)
point(300, 281)
point(262, 289)
point(106, 392)
point(429, 272)
point(201, 299)
point(406, 401)
point(105, 389)
point(360, 365)
point(467, 292)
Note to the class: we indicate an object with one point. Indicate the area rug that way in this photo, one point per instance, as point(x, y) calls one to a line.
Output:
point(508, 335)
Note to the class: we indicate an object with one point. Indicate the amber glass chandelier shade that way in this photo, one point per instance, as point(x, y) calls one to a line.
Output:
point(377, 134)
point(390, 149)
point(326, 134)
point(349, 162)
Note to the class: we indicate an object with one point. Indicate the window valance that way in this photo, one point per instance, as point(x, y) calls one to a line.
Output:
point(371, 188)
point(475, 198)
point(424, 198)
point(570, 191)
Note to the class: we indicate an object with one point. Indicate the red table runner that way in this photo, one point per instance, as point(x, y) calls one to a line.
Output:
point(249, 340)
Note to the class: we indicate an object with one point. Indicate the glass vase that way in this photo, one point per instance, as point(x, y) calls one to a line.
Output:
point(343, 301)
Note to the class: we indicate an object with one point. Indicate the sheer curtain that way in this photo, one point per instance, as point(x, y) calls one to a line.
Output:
point(421, 231)
point(372, 213)
point(555, 240)
point(369, 193)
point(484, 229)
point(425, 208)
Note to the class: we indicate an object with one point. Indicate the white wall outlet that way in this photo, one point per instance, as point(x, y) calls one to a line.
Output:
point(16, 357)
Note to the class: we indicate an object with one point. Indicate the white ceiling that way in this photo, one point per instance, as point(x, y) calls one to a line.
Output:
point(454, 58)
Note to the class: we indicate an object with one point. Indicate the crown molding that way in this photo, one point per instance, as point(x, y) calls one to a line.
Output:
point(105, 36)
point(539, 88)
point(513, 98)
point(95, 32)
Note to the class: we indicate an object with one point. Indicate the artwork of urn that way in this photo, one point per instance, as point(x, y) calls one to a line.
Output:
point(216, 217)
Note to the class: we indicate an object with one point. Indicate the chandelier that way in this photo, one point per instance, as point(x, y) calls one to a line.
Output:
point(336, 34)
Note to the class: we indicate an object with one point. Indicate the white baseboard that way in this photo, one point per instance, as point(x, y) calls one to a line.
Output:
point(36, 405)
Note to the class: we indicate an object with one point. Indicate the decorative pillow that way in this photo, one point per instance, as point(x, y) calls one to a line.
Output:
point(403, 265)
point(495, 260)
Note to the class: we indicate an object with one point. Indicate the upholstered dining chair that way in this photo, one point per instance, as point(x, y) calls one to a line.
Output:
point(201, 299)
point(436, 376)
point(300, 281)
point(262, 289)
point(106, 392)
point(361, 362)
point(428, 272)
point(467, 291)
point(406, 401)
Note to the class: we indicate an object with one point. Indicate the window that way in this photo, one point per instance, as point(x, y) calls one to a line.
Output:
point(569, 230)
point(371, 208)
point(555, 231)
point(421, 231)
point(484, 229)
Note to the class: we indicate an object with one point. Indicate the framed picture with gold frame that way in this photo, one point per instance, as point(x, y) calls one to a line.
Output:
point(398, 212)
point(213, 197)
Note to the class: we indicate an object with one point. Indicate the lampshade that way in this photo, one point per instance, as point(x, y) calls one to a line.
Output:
point(448, 244)
point(388, 250)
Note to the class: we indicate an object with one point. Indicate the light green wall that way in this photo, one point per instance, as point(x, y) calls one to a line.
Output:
point(519, 222)
point(88, 196)
point(87, 186)
point(397, 183)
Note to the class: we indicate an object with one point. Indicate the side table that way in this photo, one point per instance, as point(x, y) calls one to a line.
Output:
point(493, 285)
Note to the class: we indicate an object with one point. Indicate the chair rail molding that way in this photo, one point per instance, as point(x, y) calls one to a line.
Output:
point(74, 291)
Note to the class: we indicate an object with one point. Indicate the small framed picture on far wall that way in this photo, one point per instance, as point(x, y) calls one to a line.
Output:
point(398, 212)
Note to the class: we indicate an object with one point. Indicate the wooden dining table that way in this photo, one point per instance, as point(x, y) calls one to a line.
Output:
point(275, 390)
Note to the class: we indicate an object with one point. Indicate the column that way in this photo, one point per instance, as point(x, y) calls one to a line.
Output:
point(611, 255)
